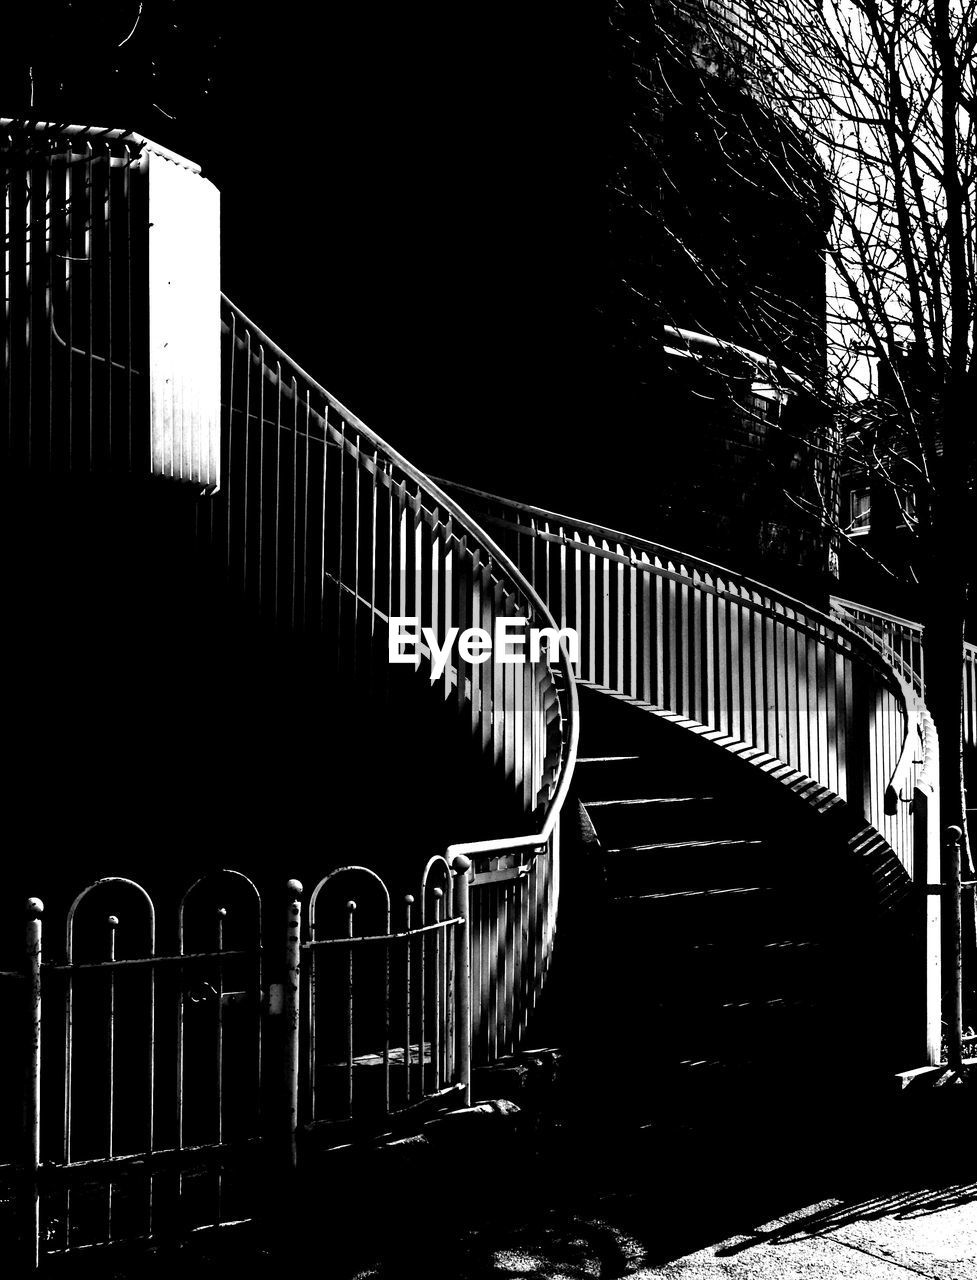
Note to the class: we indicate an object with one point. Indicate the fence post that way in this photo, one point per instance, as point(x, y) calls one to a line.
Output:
point(32, 1189)
point(952, 878)
point(292, 1002)
point(929, 875)
point(463, 984)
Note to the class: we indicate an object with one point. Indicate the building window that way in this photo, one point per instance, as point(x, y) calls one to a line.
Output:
point(859, 510)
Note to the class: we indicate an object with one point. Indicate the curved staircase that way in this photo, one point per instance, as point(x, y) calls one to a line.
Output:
point(754, 795)
point(740, 949)
point(759, 819)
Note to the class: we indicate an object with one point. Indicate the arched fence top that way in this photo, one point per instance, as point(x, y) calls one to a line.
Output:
point(366, 873)
point(100, 884)
point(215, 877)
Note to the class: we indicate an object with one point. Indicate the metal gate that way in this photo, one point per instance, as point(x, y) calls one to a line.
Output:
point(179, 1051)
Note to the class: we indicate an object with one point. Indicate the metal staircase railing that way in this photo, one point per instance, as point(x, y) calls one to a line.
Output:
point(798, 691)
point(327, 529)
point(122, 358)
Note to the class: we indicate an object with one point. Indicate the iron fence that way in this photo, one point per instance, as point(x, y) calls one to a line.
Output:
point(168, 1060)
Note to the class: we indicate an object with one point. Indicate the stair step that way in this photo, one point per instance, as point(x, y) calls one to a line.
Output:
point(731, 970)
point(715, 952)
point(767, 1031)
point(649, 800)
point(663, 846)
point(609, 777)
point(604, 759)
point(729, 951)
point(693, 894)
point(650, 919)
point(635, 821)
point(696, 865)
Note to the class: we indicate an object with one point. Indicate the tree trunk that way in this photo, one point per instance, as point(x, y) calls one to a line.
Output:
point(946, 614)
point(943, 646)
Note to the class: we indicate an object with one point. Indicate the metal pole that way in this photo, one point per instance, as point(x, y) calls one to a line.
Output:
point(292, 1008)
point(461, 866)
point(35, 909)
point(952, 837)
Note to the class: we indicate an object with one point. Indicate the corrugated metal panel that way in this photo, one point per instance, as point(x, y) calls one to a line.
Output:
point(184, 324)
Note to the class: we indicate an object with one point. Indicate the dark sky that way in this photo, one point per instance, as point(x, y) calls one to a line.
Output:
point(411, 198)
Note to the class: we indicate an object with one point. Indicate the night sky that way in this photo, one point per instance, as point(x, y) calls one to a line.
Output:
point(412, 200)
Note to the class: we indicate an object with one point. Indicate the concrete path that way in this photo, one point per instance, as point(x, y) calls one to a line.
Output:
point(924, 1232)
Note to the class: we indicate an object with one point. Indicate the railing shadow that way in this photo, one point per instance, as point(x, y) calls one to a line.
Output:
point(907, 1204)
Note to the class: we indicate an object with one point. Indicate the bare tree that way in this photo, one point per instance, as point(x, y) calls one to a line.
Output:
point(885, 92)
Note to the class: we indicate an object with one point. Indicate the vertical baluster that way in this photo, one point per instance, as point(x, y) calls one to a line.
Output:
point(387, 1010)
point(450, 997)
point(275, 539)
point(69, 1044)
point(34, 939)
point(422, 998)
point(502, 710)
point(357, 522)
point(299, 445)
point(437, 1045)
point(634, 624)
point(151, 1069)
point(606, 640)
point(291, 1016)
point(619, 678)
point(339, 499)
point(348, 1008)
point(464, 617)
point(408, 904)
point(113, 923)
point(461, 866)
point(761, 723)
point(722, 621)
point(782, 673)
point(49, 302)
point(488, 677)
point(219, 1053)
point(108, 346)
point(695, 657)
point(736, 667)
point(592, 667)
point(90, 296)
point(29, 327)
point(260, 515)
point(710, 710)
point(821, 702)
point(323, 553)
point(649, 629)
point(583, 656)
point(453, 668)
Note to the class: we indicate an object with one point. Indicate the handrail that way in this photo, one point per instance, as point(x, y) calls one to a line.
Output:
point(901, 639)
point(853, 636)
point(694, 338)
point(324, 526)
point(808, 689)
point(502, 563)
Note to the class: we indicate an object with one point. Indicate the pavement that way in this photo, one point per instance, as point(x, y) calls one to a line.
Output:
point(881, 1193)
point(930, 1232)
